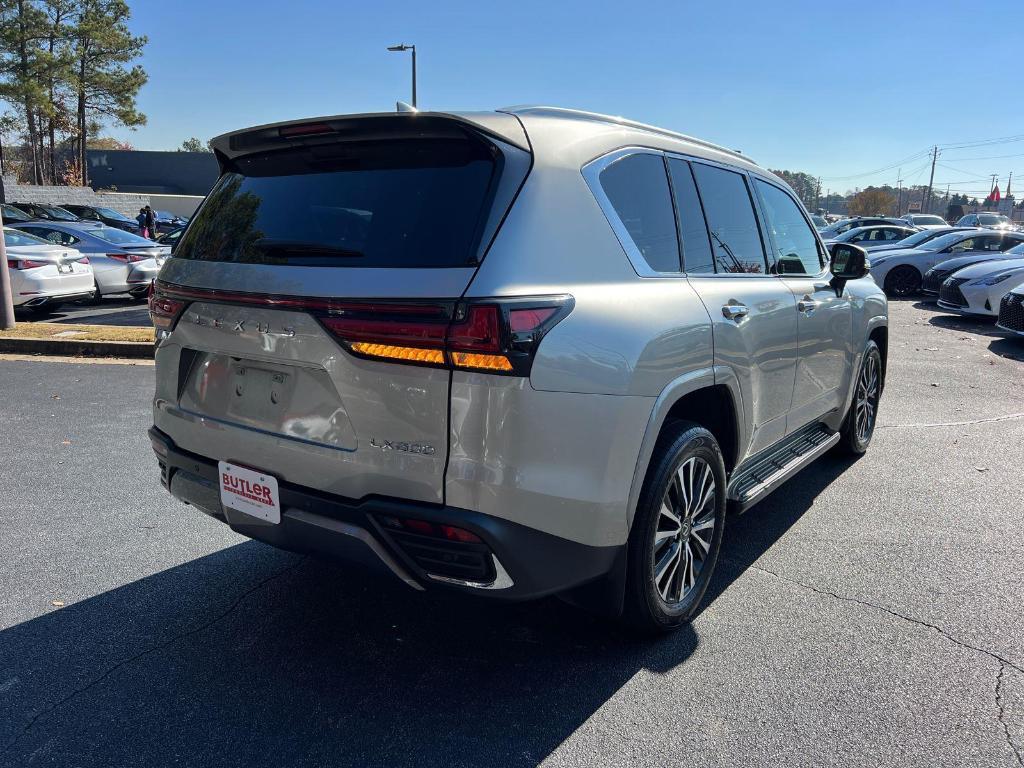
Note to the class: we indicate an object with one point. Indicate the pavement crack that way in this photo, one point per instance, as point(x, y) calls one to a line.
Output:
point(1007, 417)
point(1004, 663)
point(1002, 714)
point(920, 622)
point(152, 649)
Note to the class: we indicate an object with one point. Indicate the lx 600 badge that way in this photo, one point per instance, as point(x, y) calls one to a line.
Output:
point(389, 445)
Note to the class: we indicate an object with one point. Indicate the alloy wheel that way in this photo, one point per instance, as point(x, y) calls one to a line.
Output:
point(868, 386)
point(684, 530)
point(903, 281)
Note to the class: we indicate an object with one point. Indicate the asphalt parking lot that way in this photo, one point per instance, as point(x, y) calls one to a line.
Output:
point(114, 310)
point(867, 613)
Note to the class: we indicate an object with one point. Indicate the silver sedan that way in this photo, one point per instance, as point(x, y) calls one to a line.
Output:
point(121, 261)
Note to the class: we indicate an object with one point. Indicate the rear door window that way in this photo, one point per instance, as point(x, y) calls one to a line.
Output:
point(637, 188)
point(402, 203)
point(729, 209)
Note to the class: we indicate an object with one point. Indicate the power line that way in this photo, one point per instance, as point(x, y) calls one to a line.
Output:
point(897, 164)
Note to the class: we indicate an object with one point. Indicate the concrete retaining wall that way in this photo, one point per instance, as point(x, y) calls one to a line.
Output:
point(125, 203)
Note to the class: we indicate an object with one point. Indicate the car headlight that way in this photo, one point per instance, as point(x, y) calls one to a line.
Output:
point(996, 279)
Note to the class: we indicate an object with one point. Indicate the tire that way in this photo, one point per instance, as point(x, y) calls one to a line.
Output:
point(859, 424)
point(902, 281)
point(662, 593)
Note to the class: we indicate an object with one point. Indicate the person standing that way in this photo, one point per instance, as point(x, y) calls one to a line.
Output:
point(150, 223)
point(141, 218)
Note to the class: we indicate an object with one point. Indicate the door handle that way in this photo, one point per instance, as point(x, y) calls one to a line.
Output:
point(735, 311)
point(807, 305)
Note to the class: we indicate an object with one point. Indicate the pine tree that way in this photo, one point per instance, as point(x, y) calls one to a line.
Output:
point(105, 86)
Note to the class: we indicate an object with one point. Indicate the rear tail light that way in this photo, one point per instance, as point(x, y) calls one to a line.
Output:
point(118, 257)
point(477, 336)
point(84, 260)
point(137, 257)
point(24, 264)
point(492, 335)
point(164, 311)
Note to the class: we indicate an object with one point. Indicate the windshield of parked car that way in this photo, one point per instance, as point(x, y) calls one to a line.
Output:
point(918, 238)
point(10, 213)
point(945, 241)
point(991, 219)
point(58, 214)
point(119, 236)
point(13, 237)
point(1017, 250)
point(110, 213)
point(928, 220)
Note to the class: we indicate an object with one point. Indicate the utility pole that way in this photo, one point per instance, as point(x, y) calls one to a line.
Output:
point(817, 194)
point(6, 299)
point(991, 188)
point(828, 194)
point(899, 192)
point(927, 207)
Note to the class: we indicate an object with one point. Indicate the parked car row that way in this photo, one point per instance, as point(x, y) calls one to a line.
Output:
point(18, 212)
point(966, 270)
point(108, 260)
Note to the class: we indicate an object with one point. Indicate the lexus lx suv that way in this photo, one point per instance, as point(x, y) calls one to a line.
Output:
point(516, 353)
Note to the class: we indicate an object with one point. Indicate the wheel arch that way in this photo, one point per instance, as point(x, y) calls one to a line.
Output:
point(709, 397)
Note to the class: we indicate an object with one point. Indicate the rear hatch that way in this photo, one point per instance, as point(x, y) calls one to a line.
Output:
point(303, 317)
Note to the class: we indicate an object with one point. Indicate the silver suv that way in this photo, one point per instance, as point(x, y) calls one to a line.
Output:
point(515, 353)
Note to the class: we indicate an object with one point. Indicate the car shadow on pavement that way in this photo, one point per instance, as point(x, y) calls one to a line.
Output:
point(251, 656)
point(979, 324)
point(1010, 348)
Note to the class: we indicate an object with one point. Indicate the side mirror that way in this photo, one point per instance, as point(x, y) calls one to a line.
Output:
point(849, 262)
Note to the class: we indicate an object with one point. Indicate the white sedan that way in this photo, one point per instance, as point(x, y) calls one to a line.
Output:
point(44, 275)
point(1011, 312)
point(900, 271)
point(978, 289)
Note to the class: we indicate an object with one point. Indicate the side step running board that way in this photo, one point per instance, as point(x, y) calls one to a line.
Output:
point(764, 474)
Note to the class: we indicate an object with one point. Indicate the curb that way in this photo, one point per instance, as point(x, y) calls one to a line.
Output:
point(78, 348)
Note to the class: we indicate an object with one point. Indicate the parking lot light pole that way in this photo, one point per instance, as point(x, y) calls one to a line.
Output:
point(404, 47)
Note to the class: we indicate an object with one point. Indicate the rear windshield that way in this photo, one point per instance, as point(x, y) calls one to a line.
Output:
point(403, 203)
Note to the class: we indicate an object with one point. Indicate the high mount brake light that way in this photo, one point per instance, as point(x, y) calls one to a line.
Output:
point(492, 335)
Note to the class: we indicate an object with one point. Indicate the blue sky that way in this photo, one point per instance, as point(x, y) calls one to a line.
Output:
point(835, 92)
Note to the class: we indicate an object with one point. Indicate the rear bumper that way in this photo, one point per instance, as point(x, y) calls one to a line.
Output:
point(527, 563)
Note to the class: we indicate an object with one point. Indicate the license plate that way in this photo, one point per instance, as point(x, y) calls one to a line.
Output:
point(64, 268)
point(249, 491)
point(160, 261)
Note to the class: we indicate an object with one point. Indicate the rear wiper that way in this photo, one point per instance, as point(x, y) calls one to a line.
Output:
point(302, 246)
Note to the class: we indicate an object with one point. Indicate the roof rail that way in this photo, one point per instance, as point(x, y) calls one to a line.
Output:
point(579, 114)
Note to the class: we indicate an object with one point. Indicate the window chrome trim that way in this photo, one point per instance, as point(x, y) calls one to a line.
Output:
point(592, 175)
